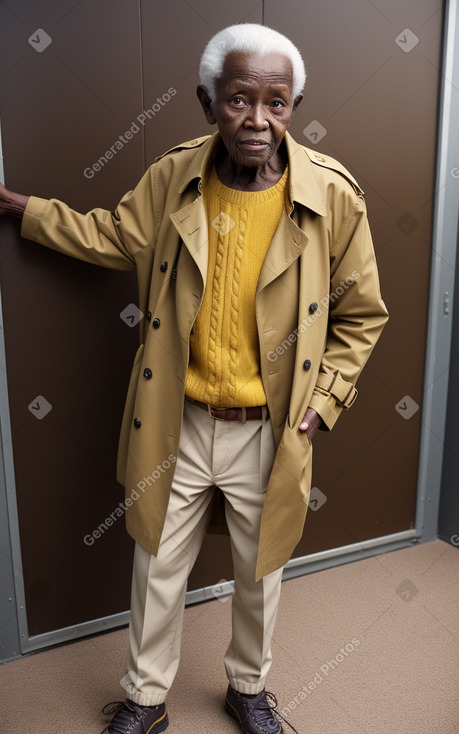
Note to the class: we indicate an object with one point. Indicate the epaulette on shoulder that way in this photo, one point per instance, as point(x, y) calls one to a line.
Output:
point(188, 145)
point(327, 162)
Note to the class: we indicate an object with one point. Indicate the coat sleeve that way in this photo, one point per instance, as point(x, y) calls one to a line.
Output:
point(100, 237)
point(357, 315)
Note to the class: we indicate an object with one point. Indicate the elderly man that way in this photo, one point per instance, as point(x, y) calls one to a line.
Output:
point(259, 285)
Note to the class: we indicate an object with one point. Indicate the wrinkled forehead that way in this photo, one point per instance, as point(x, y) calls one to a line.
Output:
point(271, 68)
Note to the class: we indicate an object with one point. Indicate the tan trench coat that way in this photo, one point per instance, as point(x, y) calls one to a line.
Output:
point(318, 309)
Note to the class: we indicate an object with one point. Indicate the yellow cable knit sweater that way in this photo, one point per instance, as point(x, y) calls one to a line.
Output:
point(224, 367)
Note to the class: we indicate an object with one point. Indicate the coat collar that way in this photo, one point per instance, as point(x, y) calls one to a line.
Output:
point(304, 186)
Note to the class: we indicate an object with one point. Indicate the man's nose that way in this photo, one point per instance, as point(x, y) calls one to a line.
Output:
point(257, 118)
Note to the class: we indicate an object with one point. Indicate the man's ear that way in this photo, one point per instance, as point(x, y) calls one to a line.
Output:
point(206, 104)
point(296, 102)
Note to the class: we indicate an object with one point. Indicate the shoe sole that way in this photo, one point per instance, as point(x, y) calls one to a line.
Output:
point(159, 725)
point(233, 712)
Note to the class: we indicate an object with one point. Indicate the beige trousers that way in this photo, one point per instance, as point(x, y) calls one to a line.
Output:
point(237, 458)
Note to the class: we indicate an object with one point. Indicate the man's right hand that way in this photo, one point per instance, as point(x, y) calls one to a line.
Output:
point(12, 204)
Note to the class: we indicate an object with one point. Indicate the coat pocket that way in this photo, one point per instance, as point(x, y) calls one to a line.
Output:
point(302, 435)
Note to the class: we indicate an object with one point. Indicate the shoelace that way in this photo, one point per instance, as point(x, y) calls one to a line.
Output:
point(266, 703)
point(124, 721)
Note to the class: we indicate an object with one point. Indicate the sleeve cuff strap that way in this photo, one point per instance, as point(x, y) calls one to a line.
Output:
point(344, 392)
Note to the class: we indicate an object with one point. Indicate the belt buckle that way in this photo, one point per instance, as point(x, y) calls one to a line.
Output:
point(210, 408)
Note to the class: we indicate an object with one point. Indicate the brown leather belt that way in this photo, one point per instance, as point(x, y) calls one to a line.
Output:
point(231, 414)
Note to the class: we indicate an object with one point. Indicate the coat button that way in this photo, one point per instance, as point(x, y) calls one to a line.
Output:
point(148, 315)
point(307, 364)
point(156, 323)
point(313, 307)
point(147, 373)
point(174, 274)
point(137, 422)
point(163, 267)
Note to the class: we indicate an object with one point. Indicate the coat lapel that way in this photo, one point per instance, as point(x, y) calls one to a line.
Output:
point(191, 224)
point(287, 245)
point(289, 240)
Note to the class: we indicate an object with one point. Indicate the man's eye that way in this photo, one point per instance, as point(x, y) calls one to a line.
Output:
point(237, 100)
point(278, 103)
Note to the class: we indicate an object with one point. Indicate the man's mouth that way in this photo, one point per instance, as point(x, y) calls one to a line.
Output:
point(254, 144)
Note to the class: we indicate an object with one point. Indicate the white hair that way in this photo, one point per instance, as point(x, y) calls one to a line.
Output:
point(248, 38)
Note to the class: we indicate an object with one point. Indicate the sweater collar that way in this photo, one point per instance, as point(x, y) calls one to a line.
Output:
point(304, 186)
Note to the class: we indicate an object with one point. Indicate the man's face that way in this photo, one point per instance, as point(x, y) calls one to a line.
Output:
point(253, 106)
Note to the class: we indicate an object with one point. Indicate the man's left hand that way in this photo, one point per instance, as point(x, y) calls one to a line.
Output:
point(311, 422)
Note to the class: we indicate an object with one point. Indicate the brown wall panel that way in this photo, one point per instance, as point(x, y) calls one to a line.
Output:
point(61, 109)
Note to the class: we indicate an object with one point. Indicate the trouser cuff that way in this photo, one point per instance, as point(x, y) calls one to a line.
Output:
point(144, 699)
point(247, 689)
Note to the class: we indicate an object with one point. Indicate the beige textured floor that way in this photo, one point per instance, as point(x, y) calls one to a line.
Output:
point(395, 616)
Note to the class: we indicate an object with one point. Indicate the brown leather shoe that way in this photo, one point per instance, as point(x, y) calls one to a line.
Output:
point(131, 718)
point(255, 714)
